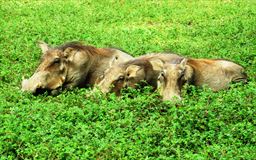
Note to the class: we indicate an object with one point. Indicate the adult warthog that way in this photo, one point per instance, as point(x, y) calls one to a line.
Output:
point(71, 65)
point(217, 74)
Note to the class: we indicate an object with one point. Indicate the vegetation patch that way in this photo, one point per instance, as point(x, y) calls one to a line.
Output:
point(79, 125)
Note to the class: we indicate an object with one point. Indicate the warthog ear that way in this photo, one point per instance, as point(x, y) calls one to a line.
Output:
point(188, 70)
point(68, 52)
point(183, 63)
point(132, 70)
point(44, 46)
point(157, 64)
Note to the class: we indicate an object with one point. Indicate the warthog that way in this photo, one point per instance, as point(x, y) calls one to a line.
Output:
point(71, 65)
point(217, 74)
point(143, 70)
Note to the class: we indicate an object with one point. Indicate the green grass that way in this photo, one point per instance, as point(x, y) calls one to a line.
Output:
point(205, 125)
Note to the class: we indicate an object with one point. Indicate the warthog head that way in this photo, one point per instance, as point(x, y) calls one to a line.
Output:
point(172, 78)
point(112, 80)
point(51, 73)
point(137, 72)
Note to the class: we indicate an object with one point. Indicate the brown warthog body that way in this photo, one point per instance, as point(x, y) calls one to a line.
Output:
point(71, 65)
point(216, 74)
point(142, 70)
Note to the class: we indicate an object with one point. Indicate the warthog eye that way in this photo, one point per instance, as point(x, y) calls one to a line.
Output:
point(161, 75)
point(56, 60)
point(120, 78)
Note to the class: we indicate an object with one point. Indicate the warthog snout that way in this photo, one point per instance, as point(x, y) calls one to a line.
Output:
point(28, 86)
point(169, 91)
point(40, 82)
point(33, 83)
point(171, 97)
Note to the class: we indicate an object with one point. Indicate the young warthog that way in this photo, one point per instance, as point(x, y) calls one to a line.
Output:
point(143, 70)
point(70, 65)
point(216, 74)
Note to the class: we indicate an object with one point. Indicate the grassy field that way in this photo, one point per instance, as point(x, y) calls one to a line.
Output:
point(205, 125)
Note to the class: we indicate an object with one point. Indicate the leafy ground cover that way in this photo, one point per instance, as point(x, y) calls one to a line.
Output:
point(205, 125)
